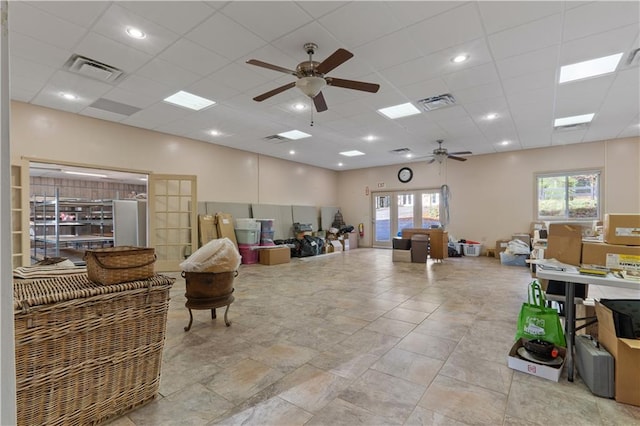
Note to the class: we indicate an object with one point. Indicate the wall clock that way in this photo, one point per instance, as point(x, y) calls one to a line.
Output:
point(405, 174)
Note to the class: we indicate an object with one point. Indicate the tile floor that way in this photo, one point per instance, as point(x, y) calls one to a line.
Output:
point(353, 338)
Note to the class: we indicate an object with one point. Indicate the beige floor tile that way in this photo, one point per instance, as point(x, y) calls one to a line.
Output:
point(356, 339)
point(464, 402)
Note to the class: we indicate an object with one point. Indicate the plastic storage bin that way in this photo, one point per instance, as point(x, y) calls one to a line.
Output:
point(471, 249)
point(247, 236)
point(249, 255)
point(266, 225)
point(247, 224)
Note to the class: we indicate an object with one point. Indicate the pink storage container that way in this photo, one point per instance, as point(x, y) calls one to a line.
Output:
point(249, 255)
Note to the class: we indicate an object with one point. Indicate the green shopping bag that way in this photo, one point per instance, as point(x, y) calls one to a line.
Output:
point(537, 321)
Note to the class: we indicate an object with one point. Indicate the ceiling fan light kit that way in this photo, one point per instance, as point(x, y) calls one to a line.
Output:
point(311, 76)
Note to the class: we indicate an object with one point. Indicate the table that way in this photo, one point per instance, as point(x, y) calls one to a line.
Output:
point(438, 240)
point(574, 277)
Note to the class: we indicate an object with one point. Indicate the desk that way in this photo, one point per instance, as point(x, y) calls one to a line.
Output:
point(573, 277)
point(438, 240)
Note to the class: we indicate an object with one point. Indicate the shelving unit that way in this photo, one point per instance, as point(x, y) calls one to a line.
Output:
point(67, 223)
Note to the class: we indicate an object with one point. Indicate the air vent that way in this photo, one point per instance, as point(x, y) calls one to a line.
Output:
point(437, 102)
point(93, 69)
point(570, 127)
point(401, 151)
point(115, 107)
point(275, 139)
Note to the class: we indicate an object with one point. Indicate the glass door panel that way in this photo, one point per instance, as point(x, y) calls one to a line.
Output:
point(430, 209)
point(405, 216)
point(382, 220)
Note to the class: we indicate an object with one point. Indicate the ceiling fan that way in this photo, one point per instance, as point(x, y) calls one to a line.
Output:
point(440, 154)
point(311, 77)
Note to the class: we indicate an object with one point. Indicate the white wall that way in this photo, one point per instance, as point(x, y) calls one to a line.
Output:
point(224, 174)
point(492, 196)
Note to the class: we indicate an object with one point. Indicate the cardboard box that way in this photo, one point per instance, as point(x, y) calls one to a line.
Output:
point(345, 244)
point(206, 229)
point(545, 371)
point(401, 256)
point(564, 243)
point(337, 245)
point(526, 238)
point(275, 255)
point(225, 227)
point(501, 245)
point(626, 354)
point(622, 229)
point(596, 253)
point(401, 243)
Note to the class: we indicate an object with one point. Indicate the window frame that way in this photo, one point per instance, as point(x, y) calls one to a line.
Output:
point(566, 174)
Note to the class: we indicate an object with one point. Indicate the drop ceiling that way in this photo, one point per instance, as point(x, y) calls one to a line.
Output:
point(515, 52)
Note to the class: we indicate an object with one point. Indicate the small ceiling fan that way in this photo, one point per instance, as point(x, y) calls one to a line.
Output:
point(440, 154)
point(311, 77)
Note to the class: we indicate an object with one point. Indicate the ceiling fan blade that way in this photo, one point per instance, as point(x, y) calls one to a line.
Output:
point(319, 102)
point(431, 161)
point(351, 84)
point(270, 66)
point(338, 57)
point(270, 93)
point(461, 153)
point(453, 157)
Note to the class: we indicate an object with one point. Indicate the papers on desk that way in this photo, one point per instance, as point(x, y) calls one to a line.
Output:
point(554, 265)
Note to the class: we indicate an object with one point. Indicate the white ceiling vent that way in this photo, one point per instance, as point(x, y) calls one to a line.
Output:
point(571, 127)
point(437, 102)
point(401, 151)
point(93, 69)
point(276, 139)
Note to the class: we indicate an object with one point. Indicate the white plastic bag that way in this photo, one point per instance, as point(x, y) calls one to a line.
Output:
point(219, 255)
point(517, 247)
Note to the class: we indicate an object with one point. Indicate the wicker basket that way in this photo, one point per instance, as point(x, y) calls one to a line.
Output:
point(86, 352)
point(120, 264)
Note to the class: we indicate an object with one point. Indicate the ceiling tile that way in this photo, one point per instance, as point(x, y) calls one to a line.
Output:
point(566, 138)
point(156, 115)
point(28, 73)
point(411, 12)
point(524, 84)
point(448, 29)
point(147, 87)
point(117, 19)
point(374, 21)
point(388, 51)
point(127, 97)
point(217, 32)
point(240, 77)
point(318, 9)
point(168, 74)
point(479, 93)
point(32, 49)
point(82, 13)
point(193, 57)
point(599, 16)
point(102, 114)
point(172, 15)
point(582, 97)
point(476, 76)
point(527, 63)
point(535, 35)
point(500, 15)
point(212, 89)
point(598, 45)
point(28, 20)
point(269, 20)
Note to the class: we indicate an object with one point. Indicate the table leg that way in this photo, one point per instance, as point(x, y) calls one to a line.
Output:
point(187, 328)
point(570, 325)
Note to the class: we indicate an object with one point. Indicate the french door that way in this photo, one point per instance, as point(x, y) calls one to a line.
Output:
point(396, 210)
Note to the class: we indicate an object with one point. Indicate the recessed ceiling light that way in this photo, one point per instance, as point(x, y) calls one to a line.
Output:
point(69, 172)
point(135, 33)
point(340, 164)
point(399, 111)
point(591, 68)
point(214, 132)
point(292, 152)
point(294, 134)
point(504, 143)
point(409, 155)
point(369, 138)
point(189, 100)
point(575, 119)
point(299, 106)
point(68, 96)
point(491, 116)
point(353, 153)
point(459, 58)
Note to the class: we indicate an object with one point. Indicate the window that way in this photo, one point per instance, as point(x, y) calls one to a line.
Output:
point(568, 195)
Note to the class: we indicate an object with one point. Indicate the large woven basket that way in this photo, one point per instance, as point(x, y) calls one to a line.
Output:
point(115, 265)
point(86, 352)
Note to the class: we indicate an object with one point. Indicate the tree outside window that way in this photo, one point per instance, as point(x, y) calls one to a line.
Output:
point(574, 195)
